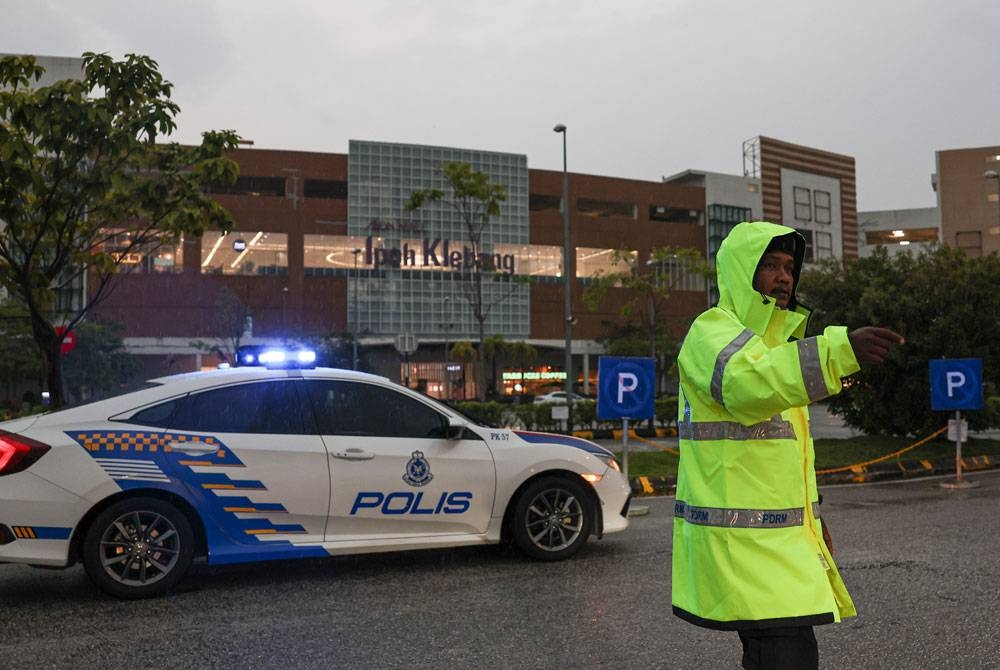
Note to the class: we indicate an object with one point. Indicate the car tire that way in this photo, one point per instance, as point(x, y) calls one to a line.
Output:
point(552, 518)
point(138, 548)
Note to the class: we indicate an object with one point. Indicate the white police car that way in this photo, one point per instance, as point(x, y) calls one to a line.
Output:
point(251, 464)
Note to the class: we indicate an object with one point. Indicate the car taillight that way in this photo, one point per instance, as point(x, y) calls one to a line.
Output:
point(17, 452)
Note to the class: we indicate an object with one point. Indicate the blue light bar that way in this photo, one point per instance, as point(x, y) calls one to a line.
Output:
point(272, 357)
point(276, 357)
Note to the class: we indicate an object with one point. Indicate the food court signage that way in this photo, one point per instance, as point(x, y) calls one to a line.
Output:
point(435, 253)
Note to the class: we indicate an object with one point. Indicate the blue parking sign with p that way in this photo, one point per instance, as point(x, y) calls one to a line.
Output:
point(956, 383)
point(626, 387)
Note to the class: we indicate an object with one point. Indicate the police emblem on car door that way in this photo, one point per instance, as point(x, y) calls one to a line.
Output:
point(394, 471)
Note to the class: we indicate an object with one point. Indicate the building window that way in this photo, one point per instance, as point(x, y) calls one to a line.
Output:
point(244, 253)
point(673, 214)
point(803, 203)
point(971, 242)
point(824, 245)
point(255, 186)
point(591, 262)
point(325, 188)
point(605, 208)
point(533, 260)
point(540, 203)
point(151, 257)
point(673, 274)
point(821, 199)
point(333, 255)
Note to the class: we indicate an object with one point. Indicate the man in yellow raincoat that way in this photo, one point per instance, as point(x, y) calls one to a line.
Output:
point(748, 549)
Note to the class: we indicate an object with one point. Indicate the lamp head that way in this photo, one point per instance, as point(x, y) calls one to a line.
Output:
point(560, 128)
point(991, 174)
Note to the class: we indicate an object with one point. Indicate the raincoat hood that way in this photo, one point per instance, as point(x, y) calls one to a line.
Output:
point(736, 265)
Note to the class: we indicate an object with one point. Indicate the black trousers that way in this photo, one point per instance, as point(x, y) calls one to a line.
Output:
point(780, 649)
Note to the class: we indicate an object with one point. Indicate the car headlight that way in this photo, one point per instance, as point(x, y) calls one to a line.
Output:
point(610, 461)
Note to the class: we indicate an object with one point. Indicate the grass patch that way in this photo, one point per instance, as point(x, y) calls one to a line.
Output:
point(832, 453)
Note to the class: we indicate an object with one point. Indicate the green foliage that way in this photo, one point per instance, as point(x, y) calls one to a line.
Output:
point(98, 364)
point(665, 409)
point(944, 303)
point(644, 329)
point(20, 359)
point(79, 167)
point(475, 199)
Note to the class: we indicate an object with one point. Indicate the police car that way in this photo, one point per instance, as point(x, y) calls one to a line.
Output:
point(284, 461)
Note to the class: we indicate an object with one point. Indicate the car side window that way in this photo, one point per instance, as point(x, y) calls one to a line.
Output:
point(158, 416)
point(357, 408)
point(272, 407)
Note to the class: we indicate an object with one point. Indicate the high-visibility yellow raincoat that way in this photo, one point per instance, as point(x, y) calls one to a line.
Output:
point(748, 550)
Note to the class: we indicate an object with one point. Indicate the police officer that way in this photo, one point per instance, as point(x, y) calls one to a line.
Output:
point(748, 549)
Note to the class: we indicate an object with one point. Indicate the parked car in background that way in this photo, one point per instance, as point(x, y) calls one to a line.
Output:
point(558, 396)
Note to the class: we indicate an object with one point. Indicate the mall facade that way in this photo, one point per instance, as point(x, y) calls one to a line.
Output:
point(324, 246)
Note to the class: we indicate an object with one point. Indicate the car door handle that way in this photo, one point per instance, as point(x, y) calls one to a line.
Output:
point(354, 455)
point(193, 447)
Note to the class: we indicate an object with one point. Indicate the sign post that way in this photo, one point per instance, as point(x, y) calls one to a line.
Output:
point(625, 390)
point(406, 344)
point(956, 384)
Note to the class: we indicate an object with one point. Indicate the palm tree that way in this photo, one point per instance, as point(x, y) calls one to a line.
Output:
point(466, 352)
point(494, 346)
point(523, 355)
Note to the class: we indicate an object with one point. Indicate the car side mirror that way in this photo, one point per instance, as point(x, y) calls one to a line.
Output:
point(456, 428)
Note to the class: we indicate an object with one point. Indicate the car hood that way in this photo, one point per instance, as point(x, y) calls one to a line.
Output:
point(533, 437)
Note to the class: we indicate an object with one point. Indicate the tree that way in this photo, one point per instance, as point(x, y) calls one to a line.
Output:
point(523, 355)
point(475, 199)
point(231, 319)
point(84, 184)
point(493, 348)
point(20, 359)
point(645, 328)
point(463, 351)
point(98, 363)
point(943, 302)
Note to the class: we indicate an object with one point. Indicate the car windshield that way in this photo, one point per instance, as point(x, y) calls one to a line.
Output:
point(456, 409)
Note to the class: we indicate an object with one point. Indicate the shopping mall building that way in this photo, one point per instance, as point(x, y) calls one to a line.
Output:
point(323, 245)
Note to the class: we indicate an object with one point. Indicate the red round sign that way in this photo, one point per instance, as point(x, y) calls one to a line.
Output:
point(69, 341)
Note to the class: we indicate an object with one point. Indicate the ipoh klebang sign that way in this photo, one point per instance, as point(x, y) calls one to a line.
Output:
point(435, 253)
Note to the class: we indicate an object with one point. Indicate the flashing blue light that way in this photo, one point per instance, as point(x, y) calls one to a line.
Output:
point(272, 357)
point(277, 357)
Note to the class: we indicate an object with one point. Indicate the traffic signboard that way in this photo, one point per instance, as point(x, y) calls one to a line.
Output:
point(956, 383)
point(626, 387)
point(69, 339)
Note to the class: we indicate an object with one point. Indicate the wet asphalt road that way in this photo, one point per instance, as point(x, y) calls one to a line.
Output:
point(921, 562)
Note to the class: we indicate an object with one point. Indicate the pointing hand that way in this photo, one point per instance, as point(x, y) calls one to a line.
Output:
point(872, 344)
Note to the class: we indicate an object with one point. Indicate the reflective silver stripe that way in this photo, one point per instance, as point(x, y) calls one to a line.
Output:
point(720, 362)
point(741, 518)
point(774, 428)
point(812, 370)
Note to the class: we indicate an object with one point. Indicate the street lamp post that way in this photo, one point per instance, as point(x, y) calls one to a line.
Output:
point(354, 316)
point(447, 327)
point(567, 286)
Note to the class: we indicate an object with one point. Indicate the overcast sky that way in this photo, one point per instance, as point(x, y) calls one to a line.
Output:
point(646, 88)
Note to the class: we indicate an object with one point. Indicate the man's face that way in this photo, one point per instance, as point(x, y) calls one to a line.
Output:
point(774, 277)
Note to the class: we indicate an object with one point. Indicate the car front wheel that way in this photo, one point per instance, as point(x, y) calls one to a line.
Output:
point(138, 548)
point(553, 518)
